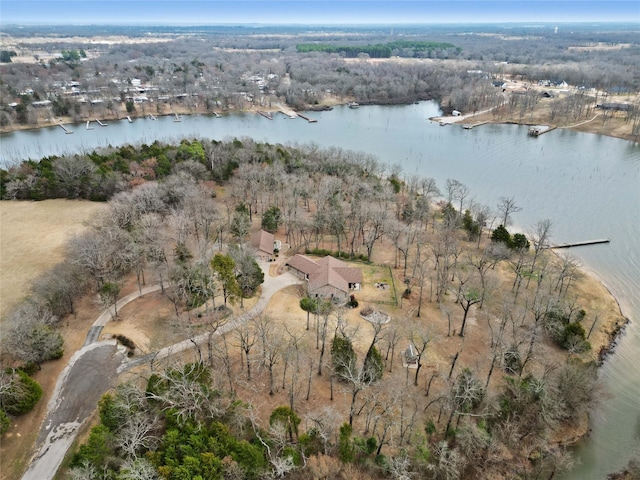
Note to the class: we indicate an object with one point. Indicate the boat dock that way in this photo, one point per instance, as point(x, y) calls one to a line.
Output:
point(217, 115)
point(66, 130)
point(290, 114)
point(129, 118)
point(469, 126)
point(580, 244)
point(101, 124)
point(89, 123)
point(266, 115)
point(538, 130)
point(150, 116)
point(310, 120)
point(178, 118)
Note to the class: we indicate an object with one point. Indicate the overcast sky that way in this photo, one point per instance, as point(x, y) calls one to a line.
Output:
point(215, 12)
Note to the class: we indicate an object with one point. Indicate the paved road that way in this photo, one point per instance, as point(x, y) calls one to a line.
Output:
point(93, 370)
point(270, 286)
point(108, 314)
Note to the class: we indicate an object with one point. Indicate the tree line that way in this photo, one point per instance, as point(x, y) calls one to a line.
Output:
point(400, 48)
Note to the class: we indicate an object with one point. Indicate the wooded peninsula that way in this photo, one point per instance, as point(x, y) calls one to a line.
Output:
point(461, 351)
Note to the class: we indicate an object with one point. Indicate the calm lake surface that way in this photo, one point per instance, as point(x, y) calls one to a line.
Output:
point(588, 185)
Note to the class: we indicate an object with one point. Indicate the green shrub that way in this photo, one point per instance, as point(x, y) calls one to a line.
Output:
point(5, 422)
point(22, 396)
point(287, 418)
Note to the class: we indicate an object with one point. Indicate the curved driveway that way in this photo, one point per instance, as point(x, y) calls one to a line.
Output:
point(93, 370)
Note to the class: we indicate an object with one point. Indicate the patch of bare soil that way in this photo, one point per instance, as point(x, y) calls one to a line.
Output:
point(32, 240)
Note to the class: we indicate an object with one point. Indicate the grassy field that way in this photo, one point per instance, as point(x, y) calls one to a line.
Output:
point(32, 240)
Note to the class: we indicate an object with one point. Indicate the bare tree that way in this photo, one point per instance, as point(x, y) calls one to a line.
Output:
point(506, 207)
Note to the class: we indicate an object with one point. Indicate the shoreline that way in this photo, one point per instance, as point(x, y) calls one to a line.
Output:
point(486, 116)
point(482, 117)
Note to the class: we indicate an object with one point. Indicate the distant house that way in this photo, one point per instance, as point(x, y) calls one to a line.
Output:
point(41, 103)
point(326, 277)
point(263, 242)
point(616, 107)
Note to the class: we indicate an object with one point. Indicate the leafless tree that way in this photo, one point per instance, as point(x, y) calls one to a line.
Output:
point(507, 206)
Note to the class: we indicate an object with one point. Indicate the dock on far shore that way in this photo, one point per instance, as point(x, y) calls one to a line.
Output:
point(310, 120)
point(537, 130)
point(66, 130)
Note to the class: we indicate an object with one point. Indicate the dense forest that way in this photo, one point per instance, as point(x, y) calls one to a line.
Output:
point(180, 215)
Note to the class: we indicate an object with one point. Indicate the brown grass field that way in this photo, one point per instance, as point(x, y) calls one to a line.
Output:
point(32, 240)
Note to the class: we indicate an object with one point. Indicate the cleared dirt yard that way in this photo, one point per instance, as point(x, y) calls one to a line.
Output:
point(32, 239)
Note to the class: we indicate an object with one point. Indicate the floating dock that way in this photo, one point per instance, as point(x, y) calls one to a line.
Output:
point(266, 115)
point(177, 119)
point(66, 130)
point(538, 130)
point(129, 118)
point(89, 123)
point(150, 116)
point(217, 115)
point(581, 244)
point(310, 120)
point(101, 124)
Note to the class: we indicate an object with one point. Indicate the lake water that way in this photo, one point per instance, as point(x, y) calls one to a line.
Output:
point(588, 185)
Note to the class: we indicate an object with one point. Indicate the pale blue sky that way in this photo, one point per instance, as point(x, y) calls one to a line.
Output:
point(214, 12)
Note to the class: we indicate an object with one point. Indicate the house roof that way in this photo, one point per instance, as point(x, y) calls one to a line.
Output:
point(326, 271)
point(303, 264)
point(262, 241)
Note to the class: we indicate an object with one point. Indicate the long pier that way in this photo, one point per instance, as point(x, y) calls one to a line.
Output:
point(581, 244)
point(310, 120)
point(66, 130)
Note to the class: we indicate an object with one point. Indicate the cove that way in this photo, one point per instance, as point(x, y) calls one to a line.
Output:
point(588, 185)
